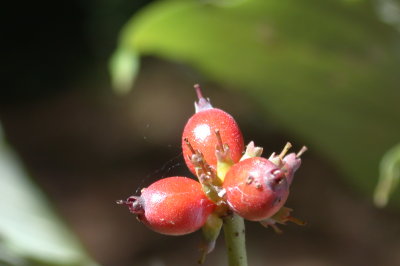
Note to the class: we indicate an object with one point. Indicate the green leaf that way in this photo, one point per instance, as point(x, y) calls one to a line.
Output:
point(124, 65)
point(389, 176)
point(326, 71)
point(29, 229)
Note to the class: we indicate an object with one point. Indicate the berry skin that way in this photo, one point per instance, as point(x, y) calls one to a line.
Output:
point(172, 206)
point(200, 132)
point(256, 188)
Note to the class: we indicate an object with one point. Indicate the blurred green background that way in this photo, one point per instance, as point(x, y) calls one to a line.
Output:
point(96, 95)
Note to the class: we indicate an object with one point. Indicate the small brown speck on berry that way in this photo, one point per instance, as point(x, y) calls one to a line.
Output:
point(249, 180)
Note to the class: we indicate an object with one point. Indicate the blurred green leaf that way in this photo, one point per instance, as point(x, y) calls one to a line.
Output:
point(389, 176)
point(30, 232)
point(327, 71)
point(124, 66)
point(389, 11)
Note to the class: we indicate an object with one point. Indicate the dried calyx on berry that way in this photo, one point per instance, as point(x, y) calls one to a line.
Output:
point(134, 203)
point(289, 163)
point(292, 162)
point(203, 103)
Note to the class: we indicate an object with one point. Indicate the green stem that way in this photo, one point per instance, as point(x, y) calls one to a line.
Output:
point(234, 232)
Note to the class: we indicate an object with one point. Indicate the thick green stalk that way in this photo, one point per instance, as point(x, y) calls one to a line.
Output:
point(234, 232)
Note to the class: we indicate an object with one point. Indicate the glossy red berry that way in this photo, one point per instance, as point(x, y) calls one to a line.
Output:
point(200, 132)
point(256, 188)
point(172, 206)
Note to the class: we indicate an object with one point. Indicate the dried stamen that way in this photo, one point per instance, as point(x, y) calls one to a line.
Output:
point(285, 150)
point(189, 146)
point(301, 151)
point(219, 139)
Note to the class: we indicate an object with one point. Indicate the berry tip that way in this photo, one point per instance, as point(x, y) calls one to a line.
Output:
point(119, 202)
point(198, 91)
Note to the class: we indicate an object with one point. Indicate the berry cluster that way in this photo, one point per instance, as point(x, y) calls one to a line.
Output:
point(232, 179)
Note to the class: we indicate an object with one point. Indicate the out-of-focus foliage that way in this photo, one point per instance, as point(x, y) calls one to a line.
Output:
point(389, 176)
point(124, 66)
point(30, 233)
point(389, 11)
point(326, 71)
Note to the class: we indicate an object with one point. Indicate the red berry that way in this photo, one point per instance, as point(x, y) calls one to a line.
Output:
point(256, 188)
point(200, 132)
point(172, 206)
